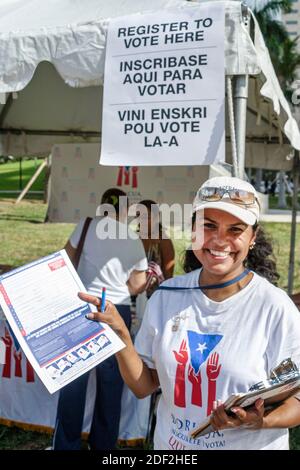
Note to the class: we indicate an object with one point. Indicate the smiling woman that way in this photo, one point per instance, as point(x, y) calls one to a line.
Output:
point(215, 331)
point(226, 242)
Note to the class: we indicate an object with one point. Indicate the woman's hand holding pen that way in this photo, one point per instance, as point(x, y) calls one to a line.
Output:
point(253, 417)
point(110, 315)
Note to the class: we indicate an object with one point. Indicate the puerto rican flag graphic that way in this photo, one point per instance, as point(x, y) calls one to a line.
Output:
point(196, 357)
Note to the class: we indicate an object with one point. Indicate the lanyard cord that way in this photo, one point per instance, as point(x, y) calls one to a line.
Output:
point(211, 286)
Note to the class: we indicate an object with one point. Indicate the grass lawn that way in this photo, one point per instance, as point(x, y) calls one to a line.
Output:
point(23, 234)
point(10, 177)
point(25, 237)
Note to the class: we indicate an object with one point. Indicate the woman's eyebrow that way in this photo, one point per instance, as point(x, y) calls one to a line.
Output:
point(230, 225)
point(238, 223)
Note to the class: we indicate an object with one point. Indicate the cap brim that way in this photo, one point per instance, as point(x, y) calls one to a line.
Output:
point(245, 215)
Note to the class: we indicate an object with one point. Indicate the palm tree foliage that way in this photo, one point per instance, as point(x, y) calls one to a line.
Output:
point(282, 49)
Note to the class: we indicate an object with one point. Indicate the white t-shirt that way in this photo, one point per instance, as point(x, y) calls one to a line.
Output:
point(221, 348)
point(109, 262)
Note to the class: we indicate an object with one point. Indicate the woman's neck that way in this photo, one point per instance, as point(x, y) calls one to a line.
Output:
point(220, 294)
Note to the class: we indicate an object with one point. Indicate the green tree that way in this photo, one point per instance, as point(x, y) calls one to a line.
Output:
point(287, 63)
point(273, 30)
point(282, 49)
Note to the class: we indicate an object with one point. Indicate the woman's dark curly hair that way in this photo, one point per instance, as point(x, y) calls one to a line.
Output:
point(260, 259)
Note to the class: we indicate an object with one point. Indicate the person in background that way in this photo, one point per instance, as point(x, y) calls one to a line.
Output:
point(159, 250)
point(158, 246)
point(215, 331)
point(119, 265)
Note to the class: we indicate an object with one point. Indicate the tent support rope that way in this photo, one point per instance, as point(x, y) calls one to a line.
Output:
point(231, 125)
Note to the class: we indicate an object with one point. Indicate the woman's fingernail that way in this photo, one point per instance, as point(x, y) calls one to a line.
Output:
point(90, 316)
point(234, 410)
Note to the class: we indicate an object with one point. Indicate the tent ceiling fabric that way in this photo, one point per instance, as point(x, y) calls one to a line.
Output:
point(73, 41)
point(52, 103)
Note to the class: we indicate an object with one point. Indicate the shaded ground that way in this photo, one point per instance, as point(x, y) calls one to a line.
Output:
point(17, 439)
point(12, 438)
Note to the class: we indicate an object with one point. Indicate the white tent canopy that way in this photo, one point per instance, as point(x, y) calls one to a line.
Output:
point(52, 67)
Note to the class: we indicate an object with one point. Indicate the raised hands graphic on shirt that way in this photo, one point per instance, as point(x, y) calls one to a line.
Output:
point(212, 371)
point(195, 380)
point(181, 357)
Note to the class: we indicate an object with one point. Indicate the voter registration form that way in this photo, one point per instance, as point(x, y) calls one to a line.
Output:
point(41, 304)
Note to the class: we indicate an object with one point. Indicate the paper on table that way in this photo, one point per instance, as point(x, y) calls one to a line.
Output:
point(47, 317)
point(271, 395)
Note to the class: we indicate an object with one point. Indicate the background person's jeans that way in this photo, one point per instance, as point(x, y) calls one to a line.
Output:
point(71, 404)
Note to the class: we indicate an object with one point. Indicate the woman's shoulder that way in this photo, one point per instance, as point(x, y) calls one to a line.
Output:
point(165, 240)
point(166, 243)
point(272, 294)
point(167, 249)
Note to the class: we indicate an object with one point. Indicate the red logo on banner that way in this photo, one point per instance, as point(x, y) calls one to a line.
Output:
point(124, 174)
point(16, 355)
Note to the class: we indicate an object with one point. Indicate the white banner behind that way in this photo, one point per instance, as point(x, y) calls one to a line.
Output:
point(78, 182)
point(164, 88)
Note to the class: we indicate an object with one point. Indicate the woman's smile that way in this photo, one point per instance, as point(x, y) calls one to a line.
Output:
point(218, 254)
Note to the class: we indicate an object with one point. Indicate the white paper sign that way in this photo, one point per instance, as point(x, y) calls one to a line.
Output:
point(164, 93)
point(48, 321)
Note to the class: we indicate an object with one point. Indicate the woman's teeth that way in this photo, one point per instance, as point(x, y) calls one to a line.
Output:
point(222, 254)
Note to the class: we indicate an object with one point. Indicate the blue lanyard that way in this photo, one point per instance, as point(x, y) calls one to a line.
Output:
point(211, 286)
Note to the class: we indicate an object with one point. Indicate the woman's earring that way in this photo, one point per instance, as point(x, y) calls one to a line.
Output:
point(252, 246)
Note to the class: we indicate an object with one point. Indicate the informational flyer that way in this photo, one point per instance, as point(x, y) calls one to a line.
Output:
point(40, 301)
point(164, 88)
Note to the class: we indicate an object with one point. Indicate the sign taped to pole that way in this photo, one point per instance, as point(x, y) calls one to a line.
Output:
point(164, 88)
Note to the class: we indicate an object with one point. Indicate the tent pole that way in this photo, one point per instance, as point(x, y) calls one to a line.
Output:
point(296, 171)
point(47, 184)
point(240, 108)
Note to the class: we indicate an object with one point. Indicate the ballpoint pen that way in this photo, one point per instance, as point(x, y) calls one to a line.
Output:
point(103, 297)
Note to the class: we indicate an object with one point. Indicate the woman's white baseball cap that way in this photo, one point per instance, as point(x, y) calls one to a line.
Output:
point(248, 213)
